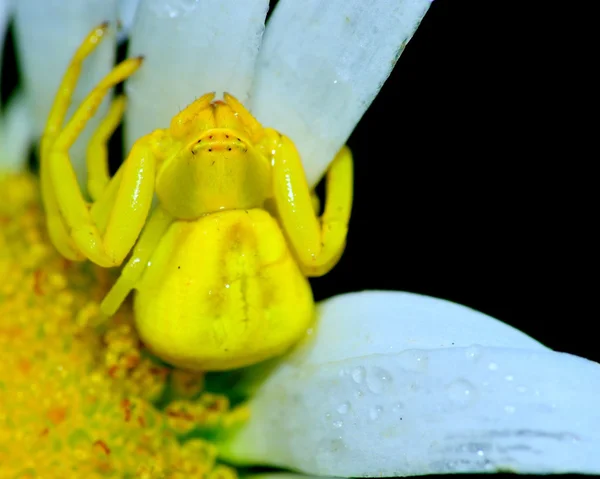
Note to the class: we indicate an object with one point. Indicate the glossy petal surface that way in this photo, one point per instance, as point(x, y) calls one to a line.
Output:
point(382, 409)
point(321, 65)
point(190, 48)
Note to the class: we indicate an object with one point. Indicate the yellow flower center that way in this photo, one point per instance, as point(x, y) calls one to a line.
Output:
point(78, 396)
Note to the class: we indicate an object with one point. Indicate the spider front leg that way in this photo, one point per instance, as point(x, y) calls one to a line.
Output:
point(97, 150)
point(57, 229)
point(76, 231)
point(106, 233)
point(317, 242)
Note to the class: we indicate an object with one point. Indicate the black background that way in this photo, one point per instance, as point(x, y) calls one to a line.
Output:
point(473, 182)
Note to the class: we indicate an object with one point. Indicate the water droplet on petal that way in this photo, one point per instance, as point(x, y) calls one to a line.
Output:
point(378, 380)
point(343, 408)
point(493, 367)
point(358, 374)
point(337, 424)
point(375, 412)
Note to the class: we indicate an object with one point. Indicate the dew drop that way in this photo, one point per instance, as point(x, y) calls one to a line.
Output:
point(510, 409)
point(343, 408)
point(509, 377)
point(398, 407)
point(337, 424)
point(493, 367)
point(460, 392)
point(378, 380)
point(374, 385)
point(358, 374)
point(375, 412)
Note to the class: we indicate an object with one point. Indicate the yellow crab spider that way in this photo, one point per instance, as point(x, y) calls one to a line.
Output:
point(221, 263)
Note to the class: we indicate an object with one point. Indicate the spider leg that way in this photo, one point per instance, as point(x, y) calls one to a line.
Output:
point(107, 234)
point(97, 151)
point(57, 228)
point(317, 242)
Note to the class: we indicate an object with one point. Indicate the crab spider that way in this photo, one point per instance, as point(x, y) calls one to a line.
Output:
point(220, 265)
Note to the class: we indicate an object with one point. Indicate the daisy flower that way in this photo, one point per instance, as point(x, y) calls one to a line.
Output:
point(385, 384)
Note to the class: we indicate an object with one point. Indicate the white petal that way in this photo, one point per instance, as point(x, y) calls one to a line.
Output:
point(321, 65)
point(190, 47)
point(5, 10)
point(127, 9)
point(398, 321)
point(375, 410)
point(47, 35)
point(16, 133)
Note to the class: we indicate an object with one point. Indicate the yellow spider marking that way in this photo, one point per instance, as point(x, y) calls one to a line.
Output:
point(221, 263)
